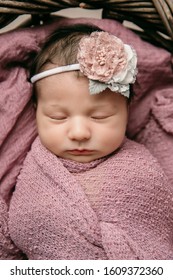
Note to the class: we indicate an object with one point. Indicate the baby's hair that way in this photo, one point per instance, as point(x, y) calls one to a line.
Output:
point(60, 48)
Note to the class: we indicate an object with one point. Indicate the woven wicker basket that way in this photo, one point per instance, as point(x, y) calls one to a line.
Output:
point(153, 17)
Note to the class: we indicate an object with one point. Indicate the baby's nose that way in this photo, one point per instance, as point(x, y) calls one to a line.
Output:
point(79, 129)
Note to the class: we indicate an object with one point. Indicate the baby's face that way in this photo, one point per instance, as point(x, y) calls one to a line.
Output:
point(75, 125)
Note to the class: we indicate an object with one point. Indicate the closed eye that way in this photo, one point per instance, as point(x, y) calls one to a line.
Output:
point(101, 117)
point(58, 118)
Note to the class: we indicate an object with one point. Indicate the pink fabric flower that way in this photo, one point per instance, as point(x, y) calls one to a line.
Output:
point(101, 56)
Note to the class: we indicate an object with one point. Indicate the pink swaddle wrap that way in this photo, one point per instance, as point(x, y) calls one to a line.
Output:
point(117, 207)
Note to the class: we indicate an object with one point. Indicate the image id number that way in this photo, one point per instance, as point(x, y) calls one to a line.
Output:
point(136, 270)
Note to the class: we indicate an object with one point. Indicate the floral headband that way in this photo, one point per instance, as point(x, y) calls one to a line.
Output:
point(105, 60)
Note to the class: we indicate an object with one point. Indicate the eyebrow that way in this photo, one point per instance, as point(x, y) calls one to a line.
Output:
point(55, 106)
point(102, 106)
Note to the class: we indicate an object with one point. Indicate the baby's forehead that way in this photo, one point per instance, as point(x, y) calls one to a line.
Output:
point(73, 86)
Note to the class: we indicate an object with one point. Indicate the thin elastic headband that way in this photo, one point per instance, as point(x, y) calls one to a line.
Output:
point(53, 71)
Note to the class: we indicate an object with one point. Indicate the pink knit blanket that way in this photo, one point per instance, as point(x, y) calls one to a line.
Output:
point(117, 207)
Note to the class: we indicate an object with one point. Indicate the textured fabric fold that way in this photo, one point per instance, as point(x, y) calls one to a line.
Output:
point(162, 109)
point(116, 242)
point(8, 250)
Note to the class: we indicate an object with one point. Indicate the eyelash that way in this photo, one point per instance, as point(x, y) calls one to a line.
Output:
point(61, 118)
point(58, 118)
point(99, 117)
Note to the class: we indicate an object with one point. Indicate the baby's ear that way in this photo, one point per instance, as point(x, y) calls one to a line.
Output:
point(35, 105)
point(127, 113)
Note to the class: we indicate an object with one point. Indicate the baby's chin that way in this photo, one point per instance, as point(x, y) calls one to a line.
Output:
point(82, 159)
